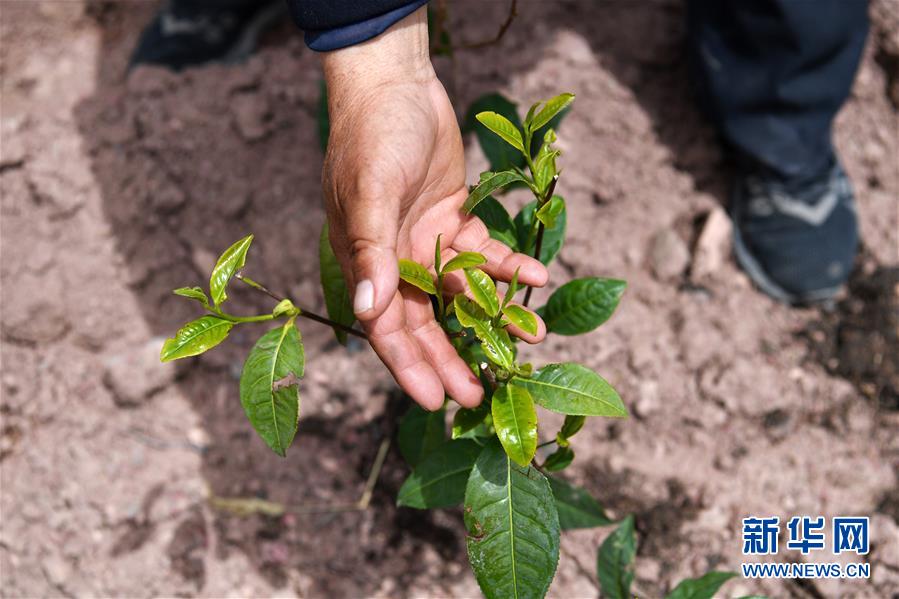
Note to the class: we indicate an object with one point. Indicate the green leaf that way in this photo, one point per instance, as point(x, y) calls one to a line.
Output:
point(615, 562)
point(195, 337)
point(194, 293)
point(530, 115)
point(464, 260)
point(577, 508)
point(483, 290)
point(439, 479)
point(467, 419)
point(552, 107)
point(285, 306)
point(334, 288)
point(522, 318)
point(570, 388)
point(552, 237)
point(559, 460)
point(322, 119)
point(550, 211)
point(571, 426)
point(512, 289)
point(416, 274)
point(502, 127)
point(498, 221)
point(488, 185)
point(228, 264)
point(438, 257)
point(581, 305)
point(515, 420)
point(500, 154)
point(269, 386)
point(495, 342)
point(703, 587)
point(420, 432)
point(513, 527)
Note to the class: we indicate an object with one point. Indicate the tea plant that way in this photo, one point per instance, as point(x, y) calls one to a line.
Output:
point(514, 509)
point(615, 569)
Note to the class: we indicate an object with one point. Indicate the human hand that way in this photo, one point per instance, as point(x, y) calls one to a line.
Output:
point(394, 179)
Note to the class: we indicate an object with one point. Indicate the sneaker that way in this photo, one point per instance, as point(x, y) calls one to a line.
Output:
point(186, 34)
point(796, 242)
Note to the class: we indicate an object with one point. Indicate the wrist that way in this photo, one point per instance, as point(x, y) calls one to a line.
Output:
point(399, 55)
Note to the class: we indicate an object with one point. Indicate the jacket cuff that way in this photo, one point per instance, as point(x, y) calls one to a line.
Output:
point(355, 33)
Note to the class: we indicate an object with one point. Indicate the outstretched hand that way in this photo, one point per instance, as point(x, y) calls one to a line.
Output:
point(394, 179)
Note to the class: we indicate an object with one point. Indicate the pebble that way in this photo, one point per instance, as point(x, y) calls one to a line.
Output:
point(712, 246)
point(668, 255)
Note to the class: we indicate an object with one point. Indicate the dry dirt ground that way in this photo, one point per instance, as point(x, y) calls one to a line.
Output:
point(117, 189)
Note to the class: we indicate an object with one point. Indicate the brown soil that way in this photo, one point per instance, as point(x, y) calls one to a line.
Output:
point(117, 189)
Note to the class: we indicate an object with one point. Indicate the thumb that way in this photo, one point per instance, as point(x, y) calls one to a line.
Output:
point(372, 237)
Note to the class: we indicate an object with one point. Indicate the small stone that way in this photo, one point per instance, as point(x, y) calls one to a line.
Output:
point(668, 255)
point(647, 398)
point(150, 80)
point(57, 570)
point(712, 247)
point(204, 260)
point(199, 438)
point(42, 322)
point(251, 116)
point(136, 372)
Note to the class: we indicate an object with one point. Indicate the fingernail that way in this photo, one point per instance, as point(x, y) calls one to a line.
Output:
point(365, 297)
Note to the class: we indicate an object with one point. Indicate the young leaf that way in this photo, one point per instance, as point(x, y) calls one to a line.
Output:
point(420, 432)
point(571, 426)
point(500, 154)
point(194, 293)
point(552, 108)
point(511, 290)
point(285, 306)
point(515, 420)
point(337, 297)
point(416, 274)
point(545, 169)
point(581, 305)
point(552, 237)
point(495, 342)
point(269, 386)
point(228, 264)
point(703, 587)
point(615, 562)
point(488, 185)
point(559, 460)
point(498, 222)
point(550, 211)
point(530, 115)
point(577, 508)
point(570, 388)
point(464, 260)
point(483, 290)
point(513, 527)
point(195, 337)
point(438, 258)
point(439, 479)
point(502, 127)
point(523, 318)
point(468, 418)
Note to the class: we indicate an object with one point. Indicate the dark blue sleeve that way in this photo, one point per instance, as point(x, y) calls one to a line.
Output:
point(334, 24)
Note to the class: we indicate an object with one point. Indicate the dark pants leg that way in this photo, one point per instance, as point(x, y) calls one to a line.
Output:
point(772, 74)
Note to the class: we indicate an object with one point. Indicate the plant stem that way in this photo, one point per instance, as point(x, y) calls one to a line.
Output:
point(538, 246)
point(513, 12)
point(303, 313)
point(546, 443)
point(232, 318)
